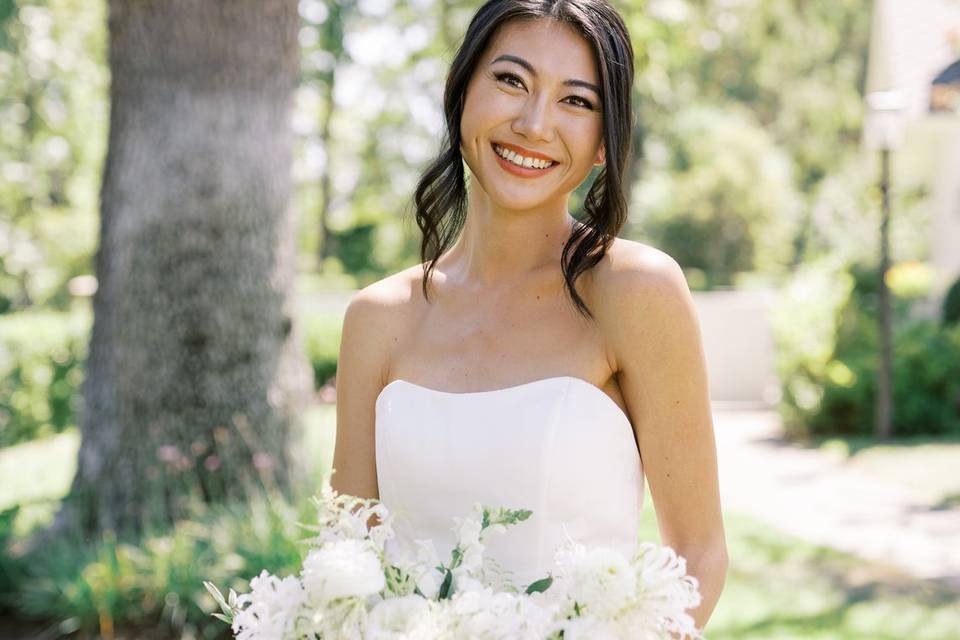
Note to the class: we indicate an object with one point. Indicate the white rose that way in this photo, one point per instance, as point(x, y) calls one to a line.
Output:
point(342, 569)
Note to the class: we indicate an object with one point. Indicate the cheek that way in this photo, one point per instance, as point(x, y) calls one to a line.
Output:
point(480, 113)
point(592, 135)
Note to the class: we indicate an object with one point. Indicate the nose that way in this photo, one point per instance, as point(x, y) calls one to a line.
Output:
point(534, 121)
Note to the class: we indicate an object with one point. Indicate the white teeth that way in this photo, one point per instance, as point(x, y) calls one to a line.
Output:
point(521, 161)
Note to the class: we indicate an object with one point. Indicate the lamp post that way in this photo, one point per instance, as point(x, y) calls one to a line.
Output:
point(884, 133)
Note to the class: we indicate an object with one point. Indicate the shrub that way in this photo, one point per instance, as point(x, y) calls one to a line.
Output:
point(322, 341)
point(926, 383)
point(806, 322)
point(828, 360)
point(951, 304)
point(41, 358)
point(156, 582)
point(719, 195)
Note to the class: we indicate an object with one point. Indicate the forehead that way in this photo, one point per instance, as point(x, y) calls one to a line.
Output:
point(552, 47)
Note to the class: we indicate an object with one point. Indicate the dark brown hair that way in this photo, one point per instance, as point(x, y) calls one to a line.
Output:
point(441, 194)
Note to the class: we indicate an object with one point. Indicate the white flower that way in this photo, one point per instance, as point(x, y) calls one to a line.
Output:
point(485, 614)
point(467, 530)
point(424, 571)
point(273, 606)
point(342, 516)
point(665, 592)
point(343, 619)
point(591, 628)
point(599, 579)
point(345, 590)
point(463, 581)
point(405, 618)
point(341, 569)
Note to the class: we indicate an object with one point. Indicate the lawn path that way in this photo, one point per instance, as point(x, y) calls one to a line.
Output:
point(817, 497)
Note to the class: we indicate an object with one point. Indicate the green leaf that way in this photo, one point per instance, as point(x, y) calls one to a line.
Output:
point(220, 616)
point(540, 585)
point(8, 8)
point(445, 586)
point(456, 557)
point(504, 516)
point(212, 588)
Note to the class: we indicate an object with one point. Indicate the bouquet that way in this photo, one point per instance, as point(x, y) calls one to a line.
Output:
point(351, 588)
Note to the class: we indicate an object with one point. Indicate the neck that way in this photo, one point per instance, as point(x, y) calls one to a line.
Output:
point(499, 245)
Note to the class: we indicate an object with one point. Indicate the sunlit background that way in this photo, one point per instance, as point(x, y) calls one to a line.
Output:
point(769, 131)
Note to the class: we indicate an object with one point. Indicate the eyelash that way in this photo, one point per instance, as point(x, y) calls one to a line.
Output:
point(504, 77)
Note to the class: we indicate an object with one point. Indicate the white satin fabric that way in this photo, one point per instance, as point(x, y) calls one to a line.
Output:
point(557, 446)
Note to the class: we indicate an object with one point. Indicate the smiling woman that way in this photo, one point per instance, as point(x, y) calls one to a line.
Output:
point(533, 360)
point(596, 61)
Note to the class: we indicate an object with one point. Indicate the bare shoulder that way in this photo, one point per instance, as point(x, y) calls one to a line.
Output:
point(640, 296)
point(377, 317)
point(391, 294)
point(632, 269)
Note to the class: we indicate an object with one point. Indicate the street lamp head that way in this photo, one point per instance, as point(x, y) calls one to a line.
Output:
point(884, 124)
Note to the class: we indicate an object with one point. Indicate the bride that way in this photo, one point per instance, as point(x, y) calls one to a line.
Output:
point(533, 360)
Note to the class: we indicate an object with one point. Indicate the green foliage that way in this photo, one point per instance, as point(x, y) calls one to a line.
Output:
point(789, 76)
point(951, 305)
point(41, 358)
point(806, 322)
point(718, 195)
point(157, 582)
point(828, 359)
point(53, 110)
point(322, 338)
point(926, 380)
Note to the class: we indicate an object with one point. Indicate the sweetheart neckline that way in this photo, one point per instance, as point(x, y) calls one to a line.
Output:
point(515, 387)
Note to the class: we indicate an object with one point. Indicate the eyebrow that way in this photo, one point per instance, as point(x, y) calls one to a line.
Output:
point(529, 67)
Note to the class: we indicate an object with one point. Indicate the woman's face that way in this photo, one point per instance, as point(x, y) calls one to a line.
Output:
point(534, 96)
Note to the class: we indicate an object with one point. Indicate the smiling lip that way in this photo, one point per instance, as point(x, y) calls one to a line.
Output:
point(521, 172)
point(526, 153)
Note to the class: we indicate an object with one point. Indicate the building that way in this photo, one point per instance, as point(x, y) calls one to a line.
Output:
point(915, 51)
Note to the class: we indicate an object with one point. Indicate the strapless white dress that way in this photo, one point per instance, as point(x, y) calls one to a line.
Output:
point(558, 446)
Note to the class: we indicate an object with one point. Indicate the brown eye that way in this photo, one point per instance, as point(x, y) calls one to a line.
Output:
point(583, 102)
point(509, 78)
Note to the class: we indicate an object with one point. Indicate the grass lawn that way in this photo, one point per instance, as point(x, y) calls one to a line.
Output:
point(778, 587)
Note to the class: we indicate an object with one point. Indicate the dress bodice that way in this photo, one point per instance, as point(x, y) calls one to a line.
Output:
point(558, 446)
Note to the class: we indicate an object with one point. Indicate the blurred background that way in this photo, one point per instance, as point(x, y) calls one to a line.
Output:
point(191, 191)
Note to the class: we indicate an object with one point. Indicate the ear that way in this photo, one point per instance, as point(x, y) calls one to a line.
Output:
point(601, 157)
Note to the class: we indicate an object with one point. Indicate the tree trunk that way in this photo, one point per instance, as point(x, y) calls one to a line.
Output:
point(194, 381)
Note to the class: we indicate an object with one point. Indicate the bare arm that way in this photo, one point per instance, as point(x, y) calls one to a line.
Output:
point(656, 341)
point(361, 371)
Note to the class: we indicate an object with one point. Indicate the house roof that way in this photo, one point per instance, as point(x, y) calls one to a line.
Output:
point(950, 75)
point(912, 41)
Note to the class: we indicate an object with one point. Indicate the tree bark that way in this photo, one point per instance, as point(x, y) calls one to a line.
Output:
point(195, 380)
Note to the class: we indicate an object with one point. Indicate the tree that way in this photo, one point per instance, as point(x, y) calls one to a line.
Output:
point(194, 380)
